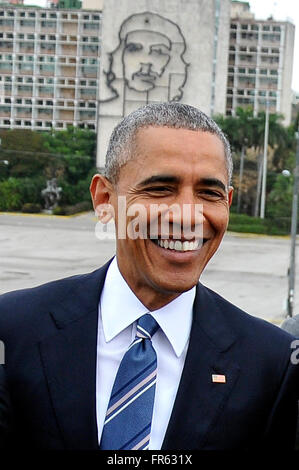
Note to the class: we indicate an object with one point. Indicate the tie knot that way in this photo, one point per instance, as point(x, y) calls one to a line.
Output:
point(146, 326)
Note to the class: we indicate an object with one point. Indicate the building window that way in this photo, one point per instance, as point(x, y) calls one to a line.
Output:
point(92, 26)
point(27, 23)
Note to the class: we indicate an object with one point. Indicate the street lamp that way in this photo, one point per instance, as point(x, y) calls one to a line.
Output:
point(265, 161)
point(241, 174)
point(292, 268)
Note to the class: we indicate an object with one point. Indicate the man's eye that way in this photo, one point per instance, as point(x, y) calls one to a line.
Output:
point(158, 189)
point(133, 46)
point(210, 194)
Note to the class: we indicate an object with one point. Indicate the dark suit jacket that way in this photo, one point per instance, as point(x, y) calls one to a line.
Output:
point(50, 335)
point(5, 411)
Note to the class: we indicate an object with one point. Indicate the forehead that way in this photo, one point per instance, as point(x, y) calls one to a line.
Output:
point(172, 150)
point(176, 140)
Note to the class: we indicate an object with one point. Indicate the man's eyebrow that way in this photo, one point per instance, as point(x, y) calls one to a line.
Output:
point(164, 179)
point(159, 179)
point(212, 182)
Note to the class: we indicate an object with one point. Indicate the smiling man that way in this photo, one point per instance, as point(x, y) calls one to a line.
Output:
point(139, 354)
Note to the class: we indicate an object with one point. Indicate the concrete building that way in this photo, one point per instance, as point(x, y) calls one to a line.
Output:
point(93, 5)
point(49, 67)
point(162, 50)
point(12, 2)
point(260, 63)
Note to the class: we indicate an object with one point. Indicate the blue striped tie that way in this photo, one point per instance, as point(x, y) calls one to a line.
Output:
point(129, 416)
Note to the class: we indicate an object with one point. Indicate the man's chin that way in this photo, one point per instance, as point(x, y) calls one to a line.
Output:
point(176, 287)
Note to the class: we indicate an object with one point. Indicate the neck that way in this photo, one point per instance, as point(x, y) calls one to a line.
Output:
point(152, 298)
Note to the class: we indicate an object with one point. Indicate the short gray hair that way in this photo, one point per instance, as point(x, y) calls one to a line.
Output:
point(170, 114)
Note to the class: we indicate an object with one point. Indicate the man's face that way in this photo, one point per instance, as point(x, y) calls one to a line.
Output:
point(145, 57)
point(172, 166)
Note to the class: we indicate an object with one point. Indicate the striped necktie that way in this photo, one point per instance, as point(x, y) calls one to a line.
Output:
point(128, 419)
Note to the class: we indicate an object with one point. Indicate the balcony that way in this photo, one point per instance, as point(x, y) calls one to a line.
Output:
point(67, 93)
point(67, 71)
point(69, 28)
point(68, 49)
point(5, 111)
point(6, 46)
point(65, 115)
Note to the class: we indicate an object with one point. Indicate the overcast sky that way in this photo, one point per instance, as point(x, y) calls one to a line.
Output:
point(280, 9)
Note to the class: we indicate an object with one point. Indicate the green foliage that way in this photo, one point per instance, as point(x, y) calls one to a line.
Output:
point(244, 223)
point(74, 209)
point(279, 202)
point(35, 157)
point(31, 208)
point(10, 197)
point(247, 130)
point(15, 192)
point(76, 150)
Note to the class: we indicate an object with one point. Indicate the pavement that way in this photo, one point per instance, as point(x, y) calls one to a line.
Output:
point(248, 270)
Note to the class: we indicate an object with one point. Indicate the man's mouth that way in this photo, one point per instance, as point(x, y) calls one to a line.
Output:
point(178, 245)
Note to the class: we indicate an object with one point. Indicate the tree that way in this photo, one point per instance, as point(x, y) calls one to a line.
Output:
point(21, 147)
point(75, 149)
point(245, 130)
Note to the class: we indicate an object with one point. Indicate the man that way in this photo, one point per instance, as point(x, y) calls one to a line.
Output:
point(210, 376)
point(5, 411)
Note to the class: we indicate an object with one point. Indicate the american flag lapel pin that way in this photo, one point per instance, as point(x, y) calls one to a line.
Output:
point(218, 378)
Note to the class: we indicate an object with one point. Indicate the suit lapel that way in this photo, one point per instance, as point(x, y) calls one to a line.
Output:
point(69, 359)
point(199, 400)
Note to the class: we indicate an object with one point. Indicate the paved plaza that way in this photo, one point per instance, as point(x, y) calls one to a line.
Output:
point(250, 271)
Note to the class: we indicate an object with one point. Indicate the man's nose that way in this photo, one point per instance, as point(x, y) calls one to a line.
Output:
point(186, 213)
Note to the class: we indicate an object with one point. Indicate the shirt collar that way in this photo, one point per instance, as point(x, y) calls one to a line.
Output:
point(124, 308)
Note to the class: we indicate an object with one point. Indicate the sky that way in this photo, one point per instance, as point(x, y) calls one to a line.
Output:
point(279, 9)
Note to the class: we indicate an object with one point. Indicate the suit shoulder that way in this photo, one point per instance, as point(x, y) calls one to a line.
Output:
point(256, 330)
point(21, 306)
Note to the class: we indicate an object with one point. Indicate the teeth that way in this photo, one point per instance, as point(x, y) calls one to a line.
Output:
point(178, 245)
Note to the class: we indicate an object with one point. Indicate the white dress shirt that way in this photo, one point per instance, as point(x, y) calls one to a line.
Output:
point(119, 309)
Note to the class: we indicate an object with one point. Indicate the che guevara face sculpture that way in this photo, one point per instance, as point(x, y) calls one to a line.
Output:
point(149, 57)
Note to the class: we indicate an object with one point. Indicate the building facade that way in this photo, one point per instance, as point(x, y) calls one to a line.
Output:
point(55, 63)
point(260, 63)
point(162, 50)
point(49, 68)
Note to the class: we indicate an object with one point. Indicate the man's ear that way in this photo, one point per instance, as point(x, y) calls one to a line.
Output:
point(101, 190)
